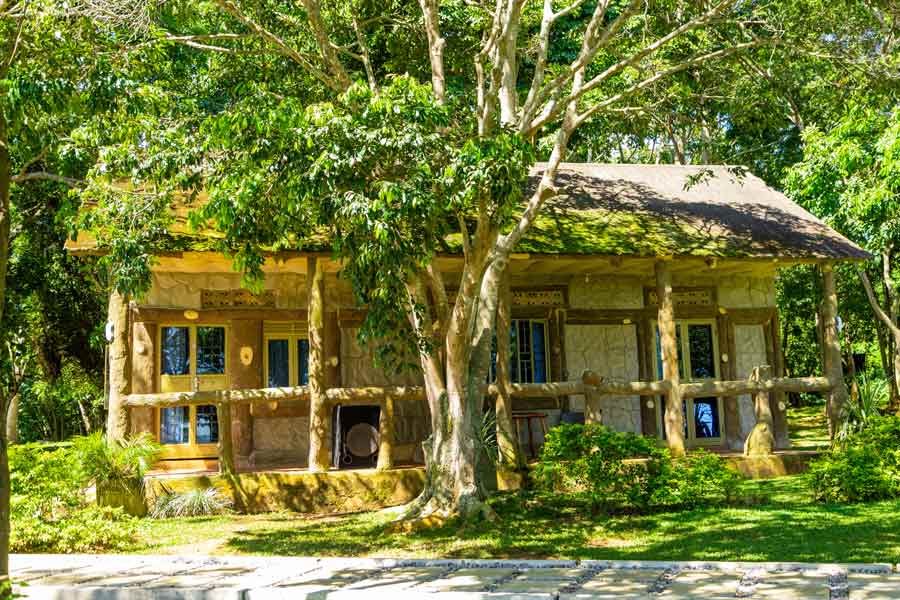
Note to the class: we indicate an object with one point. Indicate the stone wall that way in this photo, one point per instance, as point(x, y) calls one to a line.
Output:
point(751, 352)
point(281, 439)
point(358, 367)
point(611, 351)
point(182, 290)
point(746, 292)
point(605, 292)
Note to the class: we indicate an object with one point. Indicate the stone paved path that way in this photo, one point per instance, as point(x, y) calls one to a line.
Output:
point(110, 577)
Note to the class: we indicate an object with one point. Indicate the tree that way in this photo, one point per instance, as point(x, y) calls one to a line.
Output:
point(395, 174)
point(850, 176)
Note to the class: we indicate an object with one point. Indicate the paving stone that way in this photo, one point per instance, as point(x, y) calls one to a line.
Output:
point(398, 579)
point(553, 573)
point(468, 580)
point(712, 585)
point(873, 586)
point(793, 586)
point(548, 586)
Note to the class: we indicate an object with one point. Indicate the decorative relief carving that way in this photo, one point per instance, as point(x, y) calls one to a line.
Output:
point(693, 297)
point(236, 299)
point(553, 298)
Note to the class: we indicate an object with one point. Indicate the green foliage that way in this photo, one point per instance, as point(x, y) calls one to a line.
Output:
point(50, 509)
point(54, 409)
point(623, 470)
point(863, 467)
point(861, 411)
point(191, 503)
point(120, 464)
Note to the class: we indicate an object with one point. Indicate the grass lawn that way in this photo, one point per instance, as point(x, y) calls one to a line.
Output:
point(784, 526)
point(808, 426)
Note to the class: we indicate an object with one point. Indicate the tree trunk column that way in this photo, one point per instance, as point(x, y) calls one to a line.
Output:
point(225, 446)
point(838, 396)
point(507, 441)
point(318, 406)
point(119, 367)
point(674, 418)
point(386, 435)
point(761, 441)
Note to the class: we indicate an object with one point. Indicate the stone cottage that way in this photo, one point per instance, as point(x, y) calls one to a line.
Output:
point(623, 256)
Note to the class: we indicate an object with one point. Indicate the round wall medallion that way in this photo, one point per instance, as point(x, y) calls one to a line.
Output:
point(246, 355)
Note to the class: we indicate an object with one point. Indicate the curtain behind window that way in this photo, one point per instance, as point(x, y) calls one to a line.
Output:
point(176, 351)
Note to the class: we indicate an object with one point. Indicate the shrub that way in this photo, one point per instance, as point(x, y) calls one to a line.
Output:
point(858, 413)
point(121, 464)
point(863, 467)
point(192, 503)
point(624, 470)
point(50, 510)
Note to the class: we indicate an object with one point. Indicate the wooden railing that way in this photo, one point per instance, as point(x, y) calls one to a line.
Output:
point(591, 385)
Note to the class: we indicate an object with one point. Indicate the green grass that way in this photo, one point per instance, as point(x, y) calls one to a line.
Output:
point(779, 523)
point(808, 426)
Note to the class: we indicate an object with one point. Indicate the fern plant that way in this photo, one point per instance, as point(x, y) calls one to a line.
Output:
point(859, 413)
point(116, 464)
point(192, 503)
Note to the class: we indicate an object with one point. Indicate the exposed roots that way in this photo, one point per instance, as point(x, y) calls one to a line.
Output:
point(430, 511)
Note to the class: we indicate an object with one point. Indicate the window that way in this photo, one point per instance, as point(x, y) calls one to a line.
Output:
point(191, 357)
point(286, 359)
point(527, 352)
point(697, 360)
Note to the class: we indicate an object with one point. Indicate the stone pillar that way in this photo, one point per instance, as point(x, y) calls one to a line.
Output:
point(674, 418)
point(833, 369)
point(119, 367)
point(319, 418)
point(245, 364)
point(143, 374)
point(386, 435)
point(507, 441)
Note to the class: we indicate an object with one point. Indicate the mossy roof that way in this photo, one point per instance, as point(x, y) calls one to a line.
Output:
point(646, 211)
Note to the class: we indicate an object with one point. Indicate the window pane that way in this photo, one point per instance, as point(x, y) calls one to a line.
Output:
point(706, 418)
point(176, 351)
point(513, 353)
point(174, 424)
point(700, 341)
point(207, 425)
point(302, 362)
point(523, 334)
point(538, 348)
point(279, 364)
point(210, 350)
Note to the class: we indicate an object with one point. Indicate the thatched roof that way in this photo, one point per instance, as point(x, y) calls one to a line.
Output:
point(641, 210)
point(659, 210)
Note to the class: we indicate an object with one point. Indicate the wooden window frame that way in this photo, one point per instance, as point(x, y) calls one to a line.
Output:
point(691, 438)
point(513, 352)
point(293, 358)
point(183, 383)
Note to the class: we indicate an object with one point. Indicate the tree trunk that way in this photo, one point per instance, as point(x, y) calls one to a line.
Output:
point(674, 416)
point(12, 420)
point(119, 367)
point(318, 406)
point(5, 216)
point(761, 441)
point(838, 396)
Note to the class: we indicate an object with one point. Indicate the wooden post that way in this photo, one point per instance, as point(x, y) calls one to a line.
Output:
point(833, 370)
point(761, 441)
point(728, 371)
point(778, 398)
point(319, 418)
point(119, 367)
point(225, 446)
point(593, 400)
point(507, 440)
point(386, 435)
point(674, 418)
point(645, 347)
point(143, 375)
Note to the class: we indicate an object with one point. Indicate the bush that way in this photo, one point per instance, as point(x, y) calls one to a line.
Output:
point(192, 503)
point(858, 413)
point(50, 509)
point(864, 466)
point(121, 465)
point(623, 470)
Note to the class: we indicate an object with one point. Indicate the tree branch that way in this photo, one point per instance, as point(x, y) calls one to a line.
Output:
point(435, 46)
point(876, 307)
point(44, 176)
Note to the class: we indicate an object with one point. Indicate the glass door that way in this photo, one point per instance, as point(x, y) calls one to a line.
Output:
point(697, 361)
